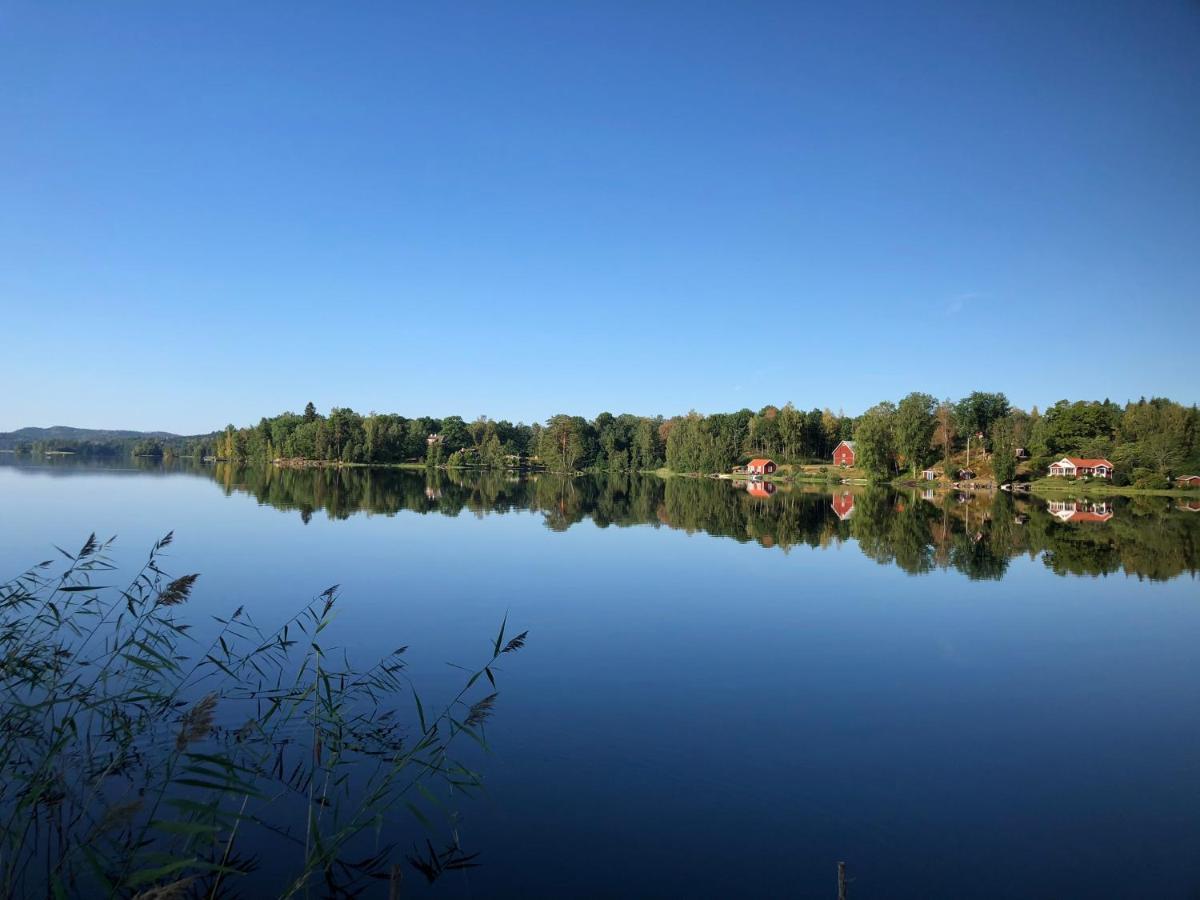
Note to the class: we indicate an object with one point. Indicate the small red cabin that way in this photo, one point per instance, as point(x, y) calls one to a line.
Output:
point(760, 467)
point(1188, 480)
point(843, 454)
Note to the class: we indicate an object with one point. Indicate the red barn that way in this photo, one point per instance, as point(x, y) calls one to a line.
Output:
point(843, 454)
point(760, 467)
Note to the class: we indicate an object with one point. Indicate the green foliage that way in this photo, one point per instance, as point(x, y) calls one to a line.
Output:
point(1080, 429)
point(914, 427)
point(138, 761)
point(1004, 450)
point(1156, 434)
point(562, 443)
point(875, 441)
point(978, 410)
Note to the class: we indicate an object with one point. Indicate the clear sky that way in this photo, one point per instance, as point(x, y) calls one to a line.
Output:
point(214, 211)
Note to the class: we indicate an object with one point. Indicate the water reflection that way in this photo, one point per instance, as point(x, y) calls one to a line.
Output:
point(1080, 511)
point(975, 534)
point(761, 489)
point(843, 504)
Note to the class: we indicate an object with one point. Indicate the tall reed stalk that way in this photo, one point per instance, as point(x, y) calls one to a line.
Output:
point(138, 763)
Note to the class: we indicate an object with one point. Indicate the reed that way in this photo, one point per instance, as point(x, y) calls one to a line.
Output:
point(139, 763)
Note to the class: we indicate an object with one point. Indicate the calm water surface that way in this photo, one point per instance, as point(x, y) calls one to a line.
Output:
point(724, 691)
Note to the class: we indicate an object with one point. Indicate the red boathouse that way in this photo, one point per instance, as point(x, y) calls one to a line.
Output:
point(760, 467)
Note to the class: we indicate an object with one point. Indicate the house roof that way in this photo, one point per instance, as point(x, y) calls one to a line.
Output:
point(849, 444)
point(758, 462)
point(1088, 516)
point(1187, 477)
point(1079, 462)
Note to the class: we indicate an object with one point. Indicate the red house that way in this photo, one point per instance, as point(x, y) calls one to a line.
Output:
point(1188, 480)
point(1075, 467)
point(843, 505)
point(843, 454)
point(760, 467)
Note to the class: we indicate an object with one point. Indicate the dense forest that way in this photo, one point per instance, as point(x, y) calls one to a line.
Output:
point(1149, 441)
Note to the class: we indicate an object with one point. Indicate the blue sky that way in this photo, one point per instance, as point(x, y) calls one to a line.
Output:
point(210, 212)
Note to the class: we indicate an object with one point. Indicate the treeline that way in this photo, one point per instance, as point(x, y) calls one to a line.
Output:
point(565, 443)
point(1150, 441)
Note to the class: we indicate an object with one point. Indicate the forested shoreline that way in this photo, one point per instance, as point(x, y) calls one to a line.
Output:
point(1149, 441)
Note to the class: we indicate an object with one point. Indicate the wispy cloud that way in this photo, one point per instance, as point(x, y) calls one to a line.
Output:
point(959, 302)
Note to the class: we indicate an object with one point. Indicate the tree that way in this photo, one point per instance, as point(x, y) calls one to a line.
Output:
point(946, 429)
point(791, 431)
point(1004, 450)
point(1080, 428)
point(455, 433)
point(979, 410)
point(648, 455)
point(310, 411)
point(562, 443)
point(874, 436)
point(1156, 434)
point(914, 426)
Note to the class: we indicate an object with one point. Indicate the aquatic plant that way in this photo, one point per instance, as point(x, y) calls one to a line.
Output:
point(139, 762)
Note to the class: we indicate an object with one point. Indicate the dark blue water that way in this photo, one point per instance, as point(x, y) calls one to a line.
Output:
point(722, 697)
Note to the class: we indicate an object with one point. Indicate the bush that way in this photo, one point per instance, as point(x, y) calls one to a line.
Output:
point(1149, 479)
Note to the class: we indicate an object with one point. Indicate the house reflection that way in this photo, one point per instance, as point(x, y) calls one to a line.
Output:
point(1080, 510)
point(843, 505)
point(761, 489)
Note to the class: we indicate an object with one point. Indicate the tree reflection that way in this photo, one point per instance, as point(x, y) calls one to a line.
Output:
point(978, 534)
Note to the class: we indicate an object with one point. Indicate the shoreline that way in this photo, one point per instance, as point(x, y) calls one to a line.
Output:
point(1035, 488)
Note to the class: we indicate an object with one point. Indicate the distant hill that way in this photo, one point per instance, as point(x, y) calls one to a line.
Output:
point(72, 435)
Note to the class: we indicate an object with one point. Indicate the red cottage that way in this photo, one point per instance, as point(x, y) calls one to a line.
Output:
point(760, 467)
point(1188, 480)
point(843, 454)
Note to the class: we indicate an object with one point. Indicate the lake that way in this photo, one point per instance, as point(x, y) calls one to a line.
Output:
point(726, 691)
